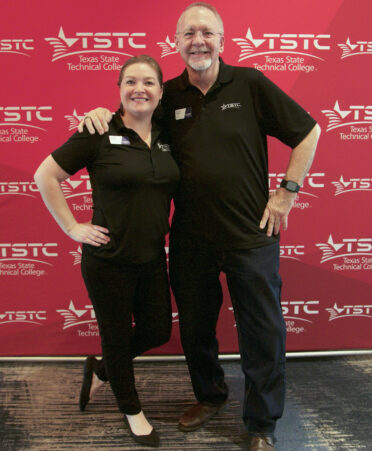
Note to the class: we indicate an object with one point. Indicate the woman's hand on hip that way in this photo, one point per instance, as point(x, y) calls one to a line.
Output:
point(89, 233)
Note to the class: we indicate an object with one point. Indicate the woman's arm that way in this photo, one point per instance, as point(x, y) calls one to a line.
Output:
point(48, 177)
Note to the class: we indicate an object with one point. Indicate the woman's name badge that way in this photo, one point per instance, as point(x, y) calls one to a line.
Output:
point(119, 140)
point(183, 113)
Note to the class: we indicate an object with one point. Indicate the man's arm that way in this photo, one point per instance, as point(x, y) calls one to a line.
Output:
point(97, 119)
point(281, 201)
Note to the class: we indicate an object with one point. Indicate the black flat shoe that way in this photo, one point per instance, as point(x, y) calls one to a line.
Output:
point(89, 365)
point(151, 439)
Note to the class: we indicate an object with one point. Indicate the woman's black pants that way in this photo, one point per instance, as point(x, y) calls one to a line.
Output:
point(120, 294)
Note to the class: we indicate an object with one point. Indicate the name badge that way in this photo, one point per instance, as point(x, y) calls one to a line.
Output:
point(119, 140)
point(183, 113)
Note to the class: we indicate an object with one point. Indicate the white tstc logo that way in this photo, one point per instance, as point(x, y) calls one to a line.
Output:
point(353, 115)
point(25, 115)
point(74, 119)
point(77, 256)
point(291, 251)
point(23, 316)
point(17, 46)
point(358, 48)
point(76, 317)
point(168, 47)
point(349, 311)
point(313, 181)
point(18, 188)
point(278, 43)
point(346, 248)
point(73, 188)
point(27, 251)
point(354, 184)
point(88, 42)
point(297, 309)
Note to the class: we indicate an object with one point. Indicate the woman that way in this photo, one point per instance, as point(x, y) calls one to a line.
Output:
point(133, 177)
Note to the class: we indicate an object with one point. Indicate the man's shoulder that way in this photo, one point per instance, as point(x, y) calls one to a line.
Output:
point(240, 72)
point(249, 73)
point(174, 83)
point(116, 123)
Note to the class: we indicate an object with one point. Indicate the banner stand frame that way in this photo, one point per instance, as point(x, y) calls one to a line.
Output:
point(180, 358)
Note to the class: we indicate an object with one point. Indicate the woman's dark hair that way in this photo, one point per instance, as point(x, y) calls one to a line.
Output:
point(146, 59)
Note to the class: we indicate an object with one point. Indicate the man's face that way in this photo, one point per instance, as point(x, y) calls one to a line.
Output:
point(199, 38)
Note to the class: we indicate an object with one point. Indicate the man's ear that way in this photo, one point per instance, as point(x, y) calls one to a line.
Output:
point(222, 44)
point(176, 41)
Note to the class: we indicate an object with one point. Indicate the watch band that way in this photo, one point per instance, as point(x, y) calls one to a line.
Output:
point(290, 185)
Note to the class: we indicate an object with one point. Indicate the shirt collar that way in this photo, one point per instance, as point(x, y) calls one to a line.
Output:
point(117, 122)
point(225, 75)
point(118, 125)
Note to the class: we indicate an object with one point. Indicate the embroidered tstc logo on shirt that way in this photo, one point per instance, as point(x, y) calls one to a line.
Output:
point(227, 106)
point(164, 147)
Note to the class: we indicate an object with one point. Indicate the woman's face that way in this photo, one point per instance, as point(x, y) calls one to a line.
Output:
point(140, 90)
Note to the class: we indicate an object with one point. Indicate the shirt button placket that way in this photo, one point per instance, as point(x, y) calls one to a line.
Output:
point(202, 109)
point(155, 170)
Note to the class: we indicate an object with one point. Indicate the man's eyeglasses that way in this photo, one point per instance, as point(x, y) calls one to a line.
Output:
point(206, 34)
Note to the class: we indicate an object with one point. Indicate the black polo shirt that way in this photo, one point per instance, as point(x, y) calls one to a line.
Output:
point(132, 188)
point(219, 141)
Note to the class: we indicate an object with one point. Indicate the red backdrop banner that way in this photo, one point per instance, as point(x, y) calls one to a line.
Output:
point(60, 59)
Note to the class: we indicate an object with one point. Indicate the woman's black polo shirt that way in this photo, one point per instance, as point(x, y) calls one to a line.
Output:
point(132, 188)
point(220, 144)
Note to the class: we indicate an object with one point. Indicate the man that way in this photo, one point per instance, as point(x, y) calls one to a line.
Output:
point(218, 117)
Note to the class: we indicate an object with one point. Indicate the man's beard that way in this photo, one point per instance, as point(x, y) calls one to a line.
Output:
point(202, 65)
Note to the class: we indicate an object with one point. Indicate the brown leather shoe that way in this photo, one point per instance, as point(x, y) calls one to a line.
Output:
point(197, 416)
point(263, 443)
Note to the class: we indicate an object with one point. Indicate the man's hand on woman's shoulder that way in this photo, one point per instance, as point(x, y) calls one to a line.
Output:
point(97, 119)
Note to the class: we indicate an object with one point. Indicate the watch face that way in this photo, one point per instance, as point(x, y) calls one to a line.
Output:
point(291, 186)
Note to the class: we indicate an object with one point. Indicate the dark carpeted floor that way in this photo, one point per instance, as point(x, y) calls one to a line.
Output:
point(328, 407)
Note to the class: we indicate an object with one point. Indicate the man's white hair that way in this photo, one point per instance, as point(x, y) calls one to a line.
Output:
point(202, 5)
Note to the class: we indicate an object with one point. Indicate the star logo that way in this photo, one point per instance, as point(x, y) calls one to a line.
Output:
point(73, 316)
point(255, 42)
point(74, 119)
point(167, 48)
point(77, 256)
point(342, 113)
point(69, 187)
point(334, 312)
point(69, 41)
point(340, 185)
point(352, 46)
point(60, 45)
point(348, 49)
point(335, 246)
point(336, 116)
point(248, 45)
point(329, 249)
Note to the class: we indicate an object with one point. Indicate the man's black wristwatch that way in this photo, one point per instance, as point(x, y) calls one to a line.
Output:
point(289, 185)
